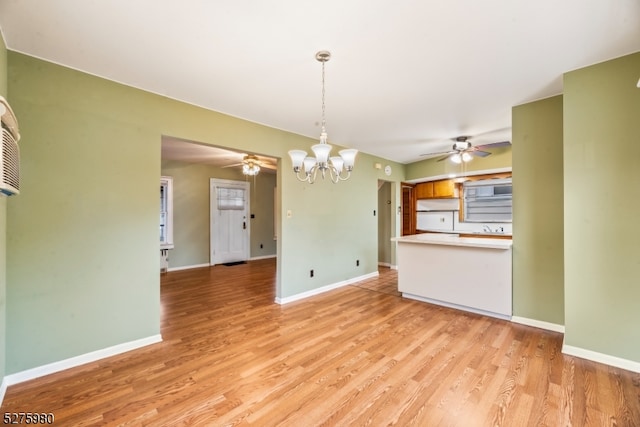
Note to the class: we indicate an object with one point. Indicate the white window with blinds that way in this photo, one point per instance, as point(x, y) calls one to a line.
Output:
point(230, 198)
point(488, 200)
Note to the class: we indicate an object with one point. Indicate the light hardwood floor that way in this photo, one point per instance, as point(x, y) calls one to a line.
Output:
point(358, 355)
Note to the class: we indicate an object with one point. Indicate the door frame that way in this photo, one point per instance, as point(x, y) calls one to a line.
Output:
point(213, 210)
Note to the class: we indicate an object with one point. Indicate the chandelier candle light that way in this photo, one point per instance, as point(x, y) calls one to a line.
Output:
point(309, 166)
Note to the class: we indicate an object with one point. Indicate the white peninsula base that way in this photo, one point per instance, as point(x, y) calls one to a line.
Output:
point(472, 274)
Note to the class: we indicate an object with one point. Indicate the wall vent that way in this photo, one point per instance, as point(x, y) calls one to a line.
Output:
point(10, 152)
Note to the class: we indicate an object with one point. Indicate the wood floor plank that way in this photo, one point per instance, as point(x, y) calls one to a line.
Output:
point(357, 355)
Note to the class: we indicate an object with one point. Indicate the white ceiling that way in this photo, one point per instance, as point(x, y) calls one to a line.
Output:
point(404, 77)
point(193, 152)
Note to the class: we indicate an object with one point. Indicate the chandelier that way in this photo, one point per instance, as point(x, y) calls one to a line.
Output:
point(305, 167)
point(250, 165)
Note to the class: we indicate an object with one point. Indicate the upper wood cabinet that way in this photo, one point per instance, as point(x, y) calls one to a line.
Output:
point(424, 190)
point(443, 189)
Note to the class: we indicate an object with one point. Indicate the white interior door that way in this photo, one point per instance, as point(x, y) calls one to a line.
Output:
point(229, 221)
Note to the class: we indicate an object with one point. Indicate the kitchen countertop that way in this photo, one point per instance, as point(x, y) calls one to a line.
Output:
point(454, 240)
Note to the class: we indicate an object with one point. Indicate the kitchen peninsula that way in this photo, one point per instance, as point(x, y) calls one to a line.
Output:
point(467, 273)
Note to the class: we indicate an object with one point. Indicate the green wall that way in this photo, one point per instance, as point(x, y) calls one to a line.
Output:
point(331, 227)
point(601, 182)
point(538, 233)
point(191, 211)
point(3, 66)
point(82, 244)
point(81, 273)
point(3, 229)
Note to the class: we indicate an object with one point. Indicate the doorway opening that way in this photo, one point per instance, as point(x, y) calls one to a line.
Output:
point(192, 165)
point(386, 219)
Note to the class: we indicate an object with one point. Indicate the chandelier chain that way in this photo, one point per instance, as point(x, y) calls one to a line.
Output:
point(323, 108)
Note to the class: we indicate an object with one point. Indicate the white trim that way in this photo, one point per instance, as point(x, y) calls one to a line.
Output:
point(388, 265)
point(3, 389)
point(188, 267)
point(607, 359)
point(255, 258)
point(538, 324)
point(468, 173)
point(323, 289)
point(72, 362)
point(456, 306)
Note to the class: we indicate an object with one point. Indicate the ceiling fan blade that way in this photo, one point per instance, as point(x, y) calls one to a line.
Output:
point(480, 153)
point(443, 158)
point(437, 153)
point(494, 145)
point(231, 165)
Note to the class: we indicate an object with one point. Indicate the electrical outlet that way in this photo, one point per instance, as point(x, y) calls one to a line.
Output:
point(261, 246)
point(357, 263)
point(374, 213)
point(289, 213)
point(311, 273)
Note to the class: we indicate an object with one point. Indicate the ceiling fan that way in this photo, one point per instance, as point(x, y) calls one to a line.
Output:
point(463, 151)
point(251, 164)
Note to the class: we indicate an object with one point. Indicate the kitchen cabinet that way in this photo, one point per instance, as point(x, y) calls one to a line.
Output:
point(443, 189)
point(424, 190)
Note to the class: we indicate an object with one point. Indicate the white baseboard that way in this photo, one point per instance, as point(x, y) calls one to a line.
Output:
point(187, 267)
point(3, 389)
point(388, 265)
point(72, 362)
point(323, 289)
point(606, 359)
point(255, 258)
point(538, 324)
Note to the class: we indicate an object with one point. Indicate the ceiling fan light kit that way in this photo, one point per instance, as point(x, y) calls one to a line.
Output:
point(458, 158)
point(250, 165)
point(305, 167)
